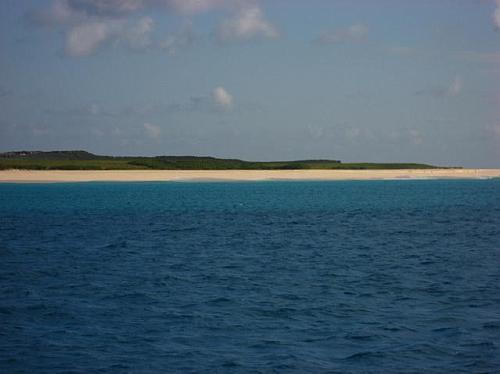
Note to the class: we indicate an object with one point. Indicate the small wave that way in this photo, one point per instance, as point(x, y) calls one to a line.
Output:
point(266, 343)
point(220, 300)
point(321, 339)
point(482, 345)
point(365, 355)
point(491, 325)
point(116, 245)
point(360, 337)
point(230, 364)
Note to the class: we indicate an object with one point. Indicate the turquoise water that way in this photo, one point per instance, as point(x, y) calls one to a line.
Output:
point(378, 276)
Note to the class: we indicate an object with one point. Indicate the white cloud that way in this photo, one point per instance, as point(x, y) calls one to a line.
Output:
point(222, 98)
point(455, 87)
point(89, 25)
point(87, 37)
point(354, 32)
point(248, 23)
point(496, 15)
point(152, 131)
point(84, 39)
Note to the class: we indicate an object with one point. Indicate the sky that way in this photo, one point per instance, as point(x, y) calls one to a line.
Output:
point(354, 80)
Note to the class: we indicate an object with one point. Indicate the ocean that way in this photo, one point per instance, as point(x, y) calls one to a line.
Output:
point(254, 277)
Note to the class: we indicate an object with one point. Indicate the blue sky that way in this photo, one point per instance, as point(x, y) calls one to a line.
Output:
point(386, 80)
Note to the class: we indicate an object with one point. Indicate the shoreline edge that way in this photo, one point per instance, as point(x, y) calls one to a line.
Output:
point(68, 176)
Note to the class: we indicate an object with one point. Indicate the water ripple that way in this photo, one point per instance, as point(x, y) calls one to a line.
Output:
point(393, 277)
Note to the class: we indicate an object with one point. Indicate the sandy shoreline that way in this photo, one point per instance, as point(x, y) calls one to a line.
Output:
point(51, 176)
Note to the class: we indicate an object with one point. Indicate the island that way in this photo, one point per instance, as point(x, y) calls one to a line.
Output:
point(82, 166)
point(82, 160)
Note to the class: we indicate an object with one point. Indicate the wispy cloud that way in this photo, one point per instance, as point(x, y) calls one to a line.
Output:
point(355, 32)
point(217, 101)
point(87, 110)
point(455, 88)
point(152, 131)
point(415, 136)
point(182, 39)
point(138, 36)
point(90, 25)
point(86, 38)
point(193, 7)
point(496, 15)
point(75, 11)
point(248, 23)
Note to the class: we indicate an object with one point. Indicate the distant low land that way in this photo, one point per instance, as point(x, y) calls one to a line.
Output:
point(81, 166)
point(82, 160)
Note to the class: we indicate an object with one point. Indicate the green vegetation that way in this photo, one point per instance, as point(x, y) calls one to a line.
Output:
point(81, 160)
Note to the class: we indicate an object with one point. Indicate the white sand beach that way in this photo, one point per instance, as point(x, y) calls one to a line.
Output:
point(50, 176)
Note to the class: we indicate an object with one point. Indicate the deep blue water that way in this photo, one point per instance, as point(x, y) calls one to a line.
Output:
point(309, 277)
